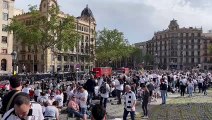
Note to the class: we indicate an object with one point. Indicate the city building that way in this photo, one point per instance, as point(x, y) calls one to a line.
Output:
point(81, 58)
point(6, 39)
point(177, 48)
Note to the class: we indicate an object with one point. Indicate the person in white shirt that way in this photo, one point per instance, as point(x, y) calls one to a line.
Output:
point(23, 109)
point(26, 89)
point(129, 104)
point(37, 93)
point(190, 87)
point(51, 111)
point(83, 96)
point(104, 93)
point(59, 98)
point(119, 84)
point(195, 84)
point(200, 83)
point(43, 98)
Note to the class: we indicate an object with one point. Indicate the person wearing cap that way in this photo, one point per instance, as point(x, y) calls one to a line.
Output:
point(8, 99)
point(73, 107)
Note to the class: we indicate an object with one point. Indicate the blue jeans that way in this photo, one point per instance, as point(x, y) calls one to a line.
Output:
point(83, 111)
point(105, 102)
point(132, 114)
point(190, 90)
point(77, 114)
point(90, 97)
point(163, 96)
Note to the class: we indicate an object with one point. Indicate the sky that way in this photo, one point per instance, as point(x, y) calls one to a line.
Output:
point(138, 19)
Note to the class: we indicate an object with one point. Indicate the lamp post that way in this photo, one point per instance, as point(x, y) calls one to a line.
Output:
point(77, 70)
point(156, 61)
point(33, 62)
point(14, 57)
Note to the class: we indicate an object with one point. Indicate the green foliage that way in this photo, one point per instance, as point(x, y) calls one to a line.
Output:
point(210, 49)
point(148, 59)
point(111, 45)
point(46, 30)
point(137, 55)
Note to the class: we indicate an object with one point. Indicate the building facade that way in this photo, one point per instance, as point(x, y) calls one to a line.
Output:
point(6, 39)
point(177, 48)
point(81, 57)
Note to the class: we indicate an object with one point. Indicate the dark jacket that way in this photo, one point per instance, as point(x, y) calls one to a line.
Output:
point(90, 85)
point(163, 86)
point(146, 95)
point(6, 100)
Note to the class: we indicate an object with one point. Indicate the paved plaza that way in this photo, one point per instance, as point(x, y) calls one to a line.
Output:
point(197, 107)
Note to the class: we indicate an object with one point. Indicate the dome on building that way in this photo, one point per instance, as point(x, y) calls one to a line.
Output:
point(173, 25)
point(87, 13)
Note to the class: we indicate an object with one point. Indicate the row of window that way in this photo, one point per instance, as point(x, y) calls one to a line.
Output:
point(174, 41)
point(72, 58)
point(82, 28)
point(178, 35)
point(30, 57)
point(185, 60)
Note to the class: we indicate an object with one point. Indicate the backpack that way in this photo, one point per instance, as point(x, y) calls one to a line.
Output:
point(103, 88)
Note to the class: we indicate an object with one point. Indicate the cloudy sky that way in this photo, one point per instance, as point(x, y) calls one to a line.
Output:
point(138, 19)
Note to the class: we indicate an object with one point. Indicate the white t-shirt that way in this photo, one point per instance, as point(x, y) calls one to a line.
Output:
point(59, 98)
point(190, 84)
point(83, 99)
point(106, 95)
point(37, 92)
point(42, 99)
point(26, 90)
point(118, 85)
point(141, 80)
point(37, 113)
point(195, 82)
point(51, 111)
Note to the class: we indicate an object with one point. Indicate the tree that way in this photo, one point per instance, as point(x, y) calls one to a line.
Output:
point(148, 59)
point(47, 30)
point(137, 56)
point(111, 45)
point(210, 49)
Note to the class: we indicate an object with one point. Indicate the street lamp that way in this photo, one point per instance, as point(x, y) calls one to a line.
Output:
point(14, 57)
point(156, 56)
point(33, 67)
point(77, 70)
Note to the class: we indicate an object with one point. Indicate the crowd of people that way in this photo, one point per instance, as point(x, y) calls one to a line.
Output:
point(45, 101)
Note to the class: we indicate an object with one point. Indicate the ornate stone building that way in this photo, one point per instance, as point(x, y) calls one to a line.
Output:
point(177, 48)
point(6, 39)
point(82, 56)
